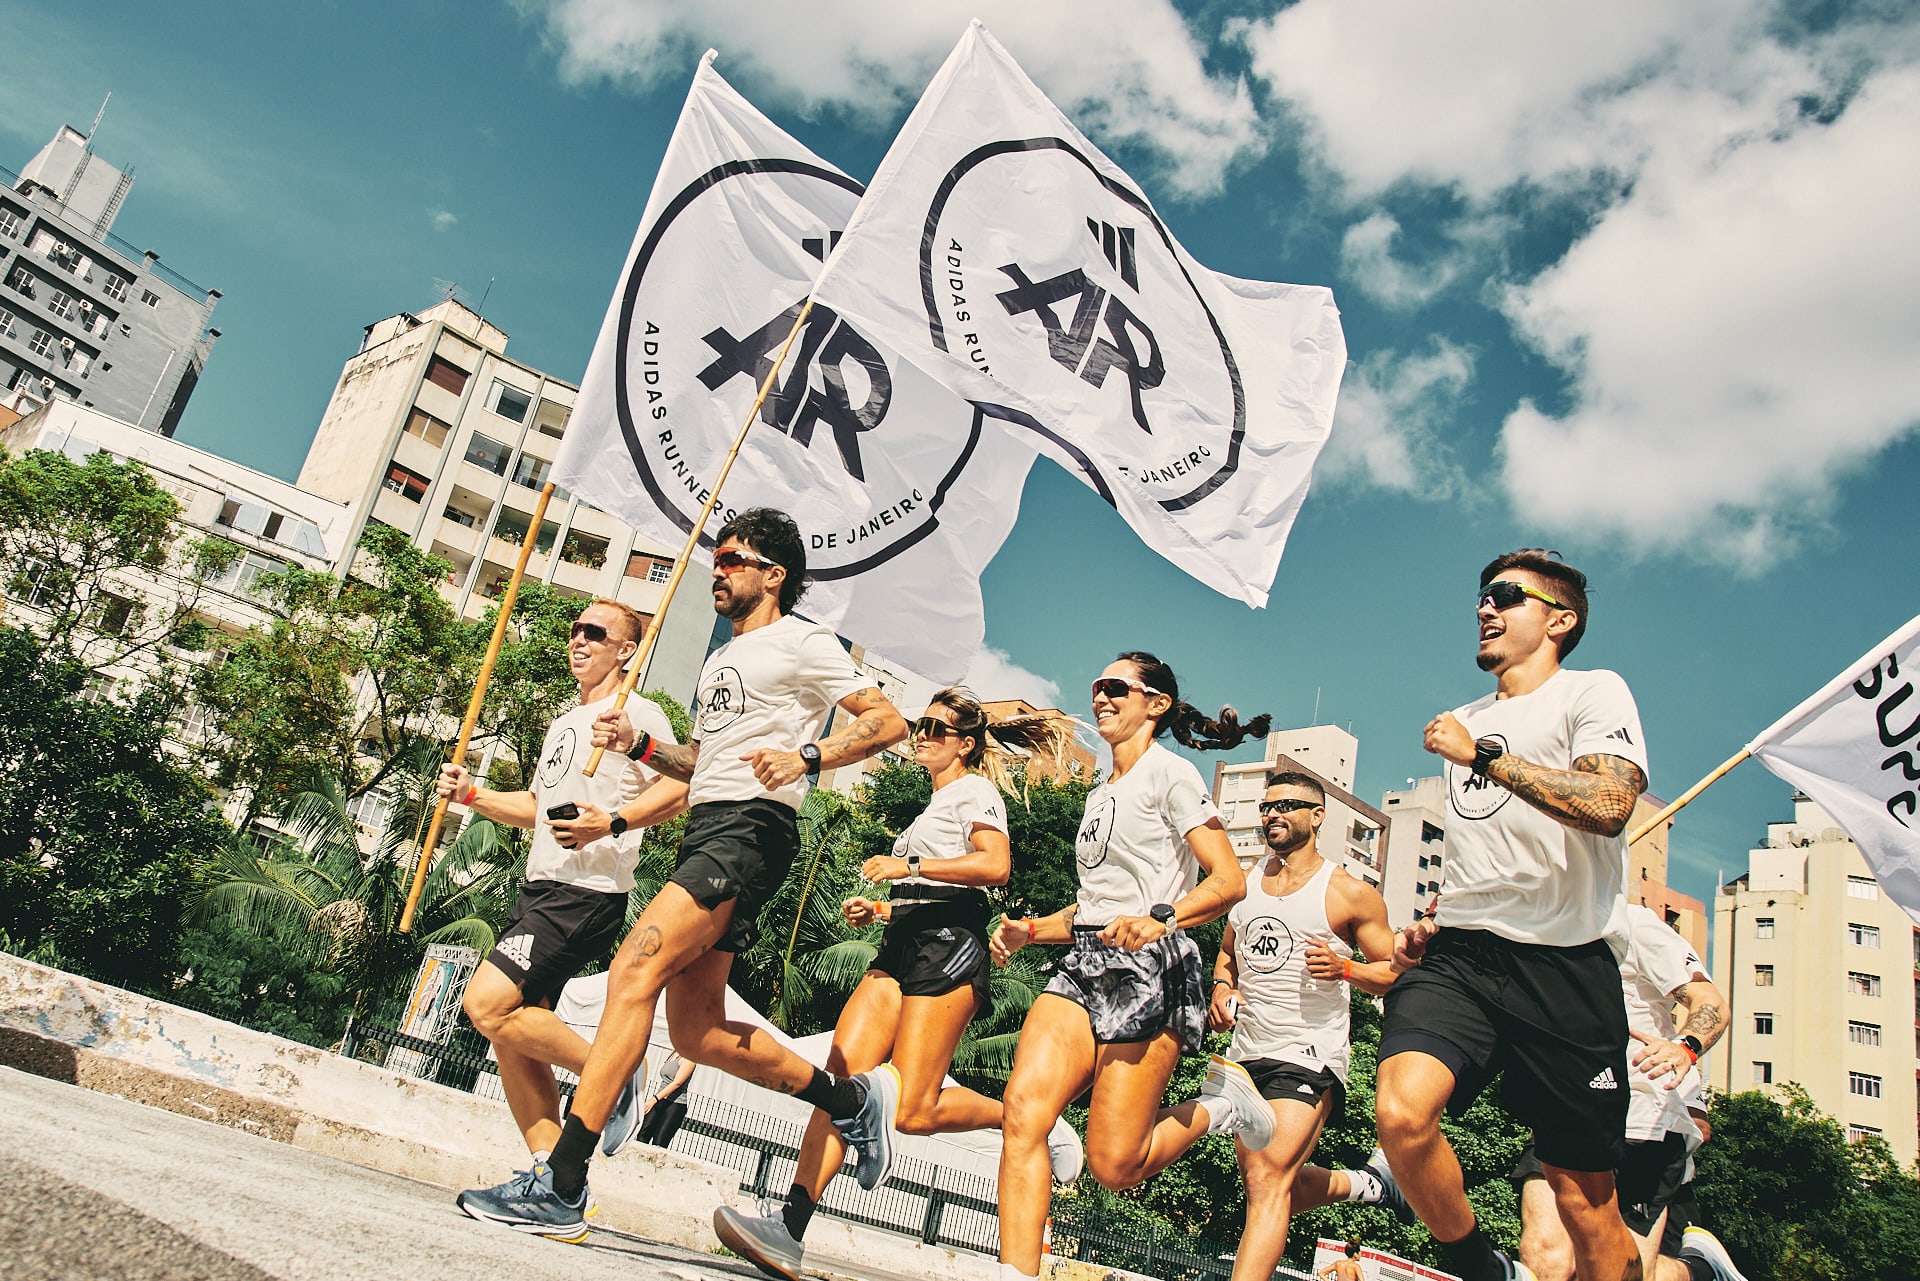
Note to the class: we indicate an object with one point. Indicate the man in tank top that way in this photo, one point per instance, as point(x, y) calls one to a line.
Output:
point(1281, 983)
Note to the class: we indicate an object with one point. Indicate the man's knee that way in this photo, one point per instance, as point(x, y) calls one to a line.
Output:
point(1406, 1117)
point(488, 1006)
point(1115, 1171)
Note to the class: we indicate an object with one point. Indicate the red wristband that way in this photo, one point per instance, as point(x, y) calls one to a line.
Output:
point(1346, 969)
point(647, 755)
point(472, 792)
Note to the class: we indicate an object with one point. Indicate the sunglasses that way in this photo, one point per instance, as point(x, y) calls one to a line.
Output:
point(1504, 593)
point(594, 633)
point(933, 727)
point(729, 561)
point(1118, 687)
point(1287, 806)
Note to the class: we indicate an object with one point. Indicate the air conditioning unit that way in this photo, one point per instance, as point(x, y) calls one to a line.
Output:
point(46, 386)
point(66, 345)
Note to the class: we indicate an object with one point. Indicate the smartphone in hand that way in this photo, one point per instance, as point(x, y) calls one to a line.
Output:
point(568, 810)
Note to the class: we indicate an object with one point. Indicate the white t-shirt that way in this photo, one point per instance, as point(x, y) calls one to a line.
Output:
point(945, 830)
point(1655, 963)
point(1132, 847)
point(605, 864)
point(1286, 1014)
point(773, 687)
point(1512, 869)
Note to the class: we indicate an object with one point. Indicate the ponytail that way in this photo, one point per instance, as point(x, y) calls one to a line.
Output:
point(1189, 726)
point(1002, 749)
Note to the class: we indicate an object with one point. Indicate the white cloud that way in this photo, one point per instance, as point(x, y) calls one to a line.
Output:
point(442, 219)
point(1386, 428)
point(1366, 255)
point(1123, 69)
point(995, 676)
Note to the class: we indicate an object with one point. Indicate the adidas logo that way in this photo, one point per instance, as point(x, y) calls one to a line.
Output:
point(1604, 1081)
point(518, 949)
point(1306, 1089)
point(1622, 735)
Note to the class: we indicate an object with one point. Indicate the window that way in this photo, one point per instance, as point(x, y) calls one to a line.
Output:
point(459, 517)
point(660, 571)
point(1763, 976)
point(531, 471)
point(1855, 1133)
point(113, 614)
point(1863, 1033)
point(62, 305)
point(446, 375)
point(1859, 984)
point(39, 584)
point(245, 573)
point(41, 342)
point(1763, 1025)
point(1864, 1085)
point(1862, 887)
point(406, 482)
point(9, 223)
point(485, 452)
point(1429, 833)
point(149, 297)
point(6, 323)
point(368, 810)
point(428, 428)
point(1762, 1073)
point(1863, 935)
point(21, 281)
point(116, 287)
point(196, 724)
point(1763, 927)
point(510, 402)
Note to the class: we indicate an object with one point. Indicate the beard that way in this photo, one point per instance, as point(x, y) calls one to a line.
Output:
point(1486, 660)
point(737, 604)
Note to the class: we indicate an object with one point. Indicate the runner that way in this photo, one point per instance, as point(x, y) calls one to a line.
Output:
point(1127, 1001)
point(573, 903)
point(1344, 1269)
point(1280, 983)
point(1516, 976)
point(931, 977)
point(763, 696)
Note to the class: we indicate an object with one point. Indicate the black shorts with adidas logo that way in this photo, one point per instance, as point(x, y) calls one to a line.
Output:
point(1553, 1020)
point(555, 932)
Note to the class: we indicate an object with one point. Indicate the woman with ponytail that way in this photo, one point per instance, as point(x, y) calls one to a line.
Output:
point(1129, 998)
point(932, 974)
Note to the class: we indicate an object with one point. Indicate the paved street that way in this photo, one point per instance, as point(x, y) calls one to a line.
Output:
point(98, 1188)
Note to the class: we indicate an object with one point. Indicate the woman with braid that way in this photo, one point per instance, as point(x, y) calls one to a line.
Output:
point(931, 976)
point(1129, 998)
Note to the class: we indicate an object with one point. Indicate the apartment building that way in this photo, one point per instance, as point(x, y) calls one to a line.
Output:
point(1354, 833)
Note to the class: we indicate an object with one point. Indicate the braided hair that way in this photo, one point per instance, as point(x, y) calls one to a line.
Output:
point(1190, 726)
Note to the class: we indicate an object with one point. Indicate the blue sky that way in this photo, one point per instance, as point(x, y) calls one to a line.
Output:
point(1634, 281)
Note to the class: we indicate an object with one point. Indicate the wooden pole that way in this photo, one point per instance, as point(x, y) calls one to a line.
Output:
point(1685, 797)
point(473, 704)
point(693, 537)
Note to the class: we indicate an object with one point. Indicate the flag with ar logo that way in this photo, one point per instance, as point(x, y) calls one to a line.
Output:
point(1021, 267)
point(902, 491)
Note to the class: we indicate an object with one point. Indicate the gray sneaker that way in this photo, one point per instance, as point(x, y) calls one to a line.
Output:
point(624, 1121)
point(869, 1132)
point(762, 1240)
point(1252, 1119)
point(1702, 1244)
point(528, 1203)
point(1391, 1197)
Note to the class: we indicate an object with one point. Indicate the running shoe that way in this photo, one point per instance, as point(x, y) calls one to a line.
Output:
point(1391, 1197)
point(528, 1203)
point(1251, 1117)
point(1701, 1243)
point(762, 1240)
point(1516, 1270)
point(869, 1132)
point(624, 1121)
point(1065, 1153)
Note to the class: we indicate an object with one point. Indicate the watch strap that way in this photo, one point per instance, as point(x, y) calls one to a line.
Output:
point(1485, 752)
point(617, 824)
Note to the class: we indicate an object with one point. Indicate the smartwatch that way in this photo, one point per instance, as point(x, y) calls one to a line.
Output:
point(1485, 752)
point(913, 865)
point(617, 825)
point(1163, 913)
point(810, 753)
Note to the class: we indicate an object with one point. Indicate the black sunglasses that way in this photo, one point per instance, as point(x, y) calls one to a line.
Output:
point(1504, 593)
point(932, 727)
point(1118, 687)
point(1287, 806)
point(594, 633)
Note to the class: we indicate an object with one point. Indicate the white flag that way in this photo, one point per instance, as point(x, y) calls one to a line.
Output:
point(1854, 748)
point(902, 490)
point(1025, 270)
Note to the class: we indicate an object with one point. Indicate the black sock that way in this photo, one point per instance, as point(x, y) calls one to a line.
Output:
point(1472, 1257)
point(838, 1096)
point(799, 1211)
point(570, 1157)
point(1698, 1268)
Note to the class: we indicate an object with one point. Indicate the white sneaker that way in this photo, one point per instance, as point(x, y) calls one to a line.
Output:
point(1065, 1153)
point(1697, 1240)
point(1249, 1115)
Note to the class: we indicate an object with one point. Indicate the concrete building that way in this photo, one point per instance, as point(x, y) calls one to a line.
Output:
point(1819, 966)
point(1354, 832)
point(433, 430)
point(86, 316)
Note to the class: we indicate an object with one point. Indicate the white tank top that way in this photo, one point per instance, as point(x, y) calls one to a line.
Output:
point(1285, 1013)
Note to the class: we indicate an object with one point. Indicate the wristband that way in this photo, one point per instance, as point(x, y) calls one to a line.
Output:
point(472, 792)
point(1346, 969)
point(1032, 929)
point(1218, 982)
point(1693, 1047)
point(646, 751)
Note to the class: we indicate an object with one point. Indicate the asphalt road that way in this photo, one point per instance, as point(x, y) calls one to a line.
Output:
point(101, 1189)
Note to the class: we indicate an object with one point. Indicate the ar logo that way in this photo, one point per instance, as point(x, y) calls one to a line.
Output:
point(1128, 346)
point(1473, 795)
point(1096, 829)
point(558, 757)
point(722, 701)
point(1265, 944)
point(795, 406)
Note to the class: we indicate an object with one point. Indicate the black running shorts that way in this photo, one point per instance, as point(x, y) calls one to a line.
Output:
point(1652, 1178)
point(555, 932)
point(1552, 1019)
point(1276, 1081)
point(738, 851)
point(933, 959)
point(1134, 996)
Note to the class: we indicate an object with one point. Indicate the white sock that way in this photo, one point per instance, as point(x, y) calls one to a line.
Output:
point(540, 1158)
point(1219, 1110)
point(1010, 1273)
point(1363, 1187)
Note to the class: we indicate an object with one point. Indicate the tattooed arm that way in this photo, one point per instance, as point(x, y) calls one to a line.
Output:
point(1706, 1019)
point(613, 731)
point(876, 724)
point(1596, 795)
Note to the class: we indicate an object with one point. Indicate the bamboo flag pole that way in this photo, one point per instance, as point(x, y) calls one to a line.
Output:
point(1685, 797)
point(693, 537)
point(473, 704)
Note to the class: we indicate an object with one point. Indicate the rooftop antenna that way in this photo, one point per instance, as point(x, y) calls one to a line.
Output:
point(1316, 704)
point(98, 117)
point(481, 310)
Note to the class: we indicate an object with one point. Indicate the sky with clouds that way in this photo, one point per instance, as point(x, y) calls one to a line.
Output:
point(1632, 281)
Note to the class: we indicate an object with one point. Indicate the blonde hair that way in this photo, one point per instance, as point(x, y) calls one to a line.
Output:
point(636, 621)
point(1040, 734)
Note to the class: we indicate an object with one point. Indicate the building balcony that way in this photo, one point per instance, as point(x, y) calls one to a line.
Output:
point(397, 510)
point(415, 453)
point(463, 540)
point(579, 578)
point(438, 401)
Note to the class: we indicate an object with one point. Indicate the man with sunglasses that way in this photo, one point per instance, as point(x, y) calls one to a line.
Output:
point(1280, 983)
point(1515, 973)
point(573, 904)
point(763, 699)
